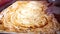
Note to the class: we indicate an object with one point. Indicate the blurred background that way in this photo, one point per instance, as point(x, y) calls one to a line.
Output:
point(53, 6)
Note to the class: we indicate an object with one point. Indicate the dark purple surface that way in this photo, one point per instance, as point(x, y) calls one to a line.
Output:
point(56, 11)
point(3, 2)
point(6, 4)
